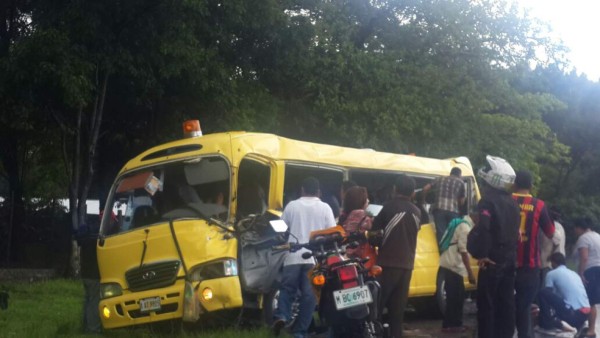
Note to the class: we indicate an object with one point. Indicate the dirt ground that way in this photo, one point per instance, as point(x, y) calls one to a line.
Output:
point(419, 327)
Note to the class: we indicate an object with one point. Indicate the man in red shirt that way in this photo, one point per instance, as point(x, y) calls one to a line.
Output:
point(534, 216)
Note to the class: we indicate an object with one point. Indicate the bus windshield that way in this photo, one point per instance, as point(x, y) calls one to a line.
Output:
point(197, 188)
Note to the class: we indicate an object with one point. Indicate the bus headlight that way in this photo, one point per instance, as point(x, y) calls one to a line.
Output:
point(207, 294)
point(109, 290)
point(213, 270)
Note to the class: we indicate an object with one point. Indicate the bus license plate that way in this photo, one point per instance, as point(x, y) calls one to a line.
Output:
point(150, 304)
point(352, 297)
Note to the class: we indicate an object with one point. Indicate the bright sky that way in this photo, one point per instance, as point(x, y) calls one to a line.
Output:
point(577, 24)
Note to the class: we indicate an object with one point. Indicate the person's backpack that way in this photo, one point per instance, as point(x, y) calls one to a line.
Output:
point(446, 240)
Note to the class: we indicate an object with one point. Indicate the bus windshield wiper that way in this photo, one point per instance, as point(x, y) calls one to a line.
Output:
point(220, 224)
point(210, 220)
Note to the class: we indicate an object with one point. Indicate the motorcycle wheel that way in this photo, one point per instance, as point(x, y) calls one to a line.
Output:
point(371, 329)
point(270, 303)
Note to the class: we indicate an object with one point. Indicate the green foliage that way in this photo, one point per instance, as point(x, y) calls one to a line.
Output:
point(435, 77)
point(56, 306)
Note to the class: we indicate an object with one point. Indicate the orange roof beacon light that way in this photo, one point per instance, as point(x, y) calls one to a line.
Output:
point(191, 128)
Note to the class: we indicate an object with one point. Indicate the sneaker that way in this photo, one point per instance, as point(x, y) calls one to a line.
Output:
point(566, 327)
point(278, 324)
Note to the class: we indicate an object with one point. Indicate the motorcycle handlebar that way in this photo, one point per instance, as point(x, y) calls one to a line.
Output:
point(367, 234)
point(281, 247)
point(289, 247)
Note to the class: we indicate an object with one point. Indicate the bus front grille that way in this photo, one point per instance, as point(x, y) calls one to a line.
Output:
point(152, 276)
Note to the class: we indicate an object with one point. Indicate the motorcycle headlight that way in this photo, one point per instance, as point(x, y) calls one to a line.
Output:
point(218, 269)
point(109, 290)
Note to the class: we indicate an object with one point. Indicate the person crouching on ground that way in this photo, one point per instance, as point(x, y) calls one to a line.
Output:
point(563, 301)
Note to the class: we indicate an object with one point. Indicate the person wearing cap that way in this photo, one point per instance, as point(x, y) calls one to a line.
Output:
point(587, 249)
point(454, 266)
point(450, 195)
point(534, 218)
point(493, 241)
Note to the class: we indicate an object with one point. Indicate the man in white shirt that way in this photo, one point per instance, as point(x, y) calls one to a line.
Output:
point(306, 214)
point(587, 249)
point(548, 246)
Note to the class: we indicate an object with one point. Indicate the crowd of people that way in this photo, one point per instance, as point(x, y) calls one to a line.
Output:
point(400, 221)
point(517, 240)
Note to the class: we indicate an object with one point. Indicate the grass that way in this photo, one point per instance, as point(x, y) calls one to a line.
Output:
point(54, 309)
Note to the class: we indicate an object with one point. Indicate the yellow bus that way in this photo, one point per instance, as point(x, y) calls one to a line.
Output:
point(178, 245)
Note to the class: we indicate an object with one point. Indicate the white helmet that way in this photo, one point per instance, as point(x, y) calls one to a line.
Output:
point(498, 173)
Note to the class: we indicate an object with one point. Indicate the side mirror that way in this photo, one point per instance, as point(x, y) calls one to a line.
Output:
point(278, 225)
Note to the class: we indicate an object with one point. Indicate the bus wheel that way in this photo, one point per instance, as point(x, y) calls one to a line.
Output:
point(433, 306)
point(440, 294)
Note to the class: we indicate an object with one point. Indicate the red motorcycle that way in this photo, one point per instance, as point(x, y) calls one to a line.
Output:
point(348, 291)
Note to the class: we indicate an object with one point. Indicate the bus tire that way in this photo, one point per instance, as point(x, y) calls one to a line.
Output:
point(432, 306)
point(440, 295)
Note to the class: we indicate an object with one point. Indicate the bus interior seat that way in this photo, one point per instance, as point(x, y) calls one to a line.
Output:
point(143, 215)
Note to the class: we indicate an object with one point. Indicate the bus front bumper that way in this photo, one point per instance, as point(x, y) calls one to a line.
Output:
point(125, 310)
point(168, 303)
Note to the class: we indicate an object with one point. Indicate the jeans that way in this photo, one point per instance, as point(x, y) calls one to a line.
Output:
point(553, 309)
point(91, 315)
point(526, 287)
point(394, 296)
point(294, 280)
point(496, 301)
point(441, 218)
point(455, 298)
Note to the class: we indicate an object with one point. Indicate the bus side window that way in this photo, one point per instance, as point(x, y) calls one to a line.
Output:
point(330, 181)
point(253, 188)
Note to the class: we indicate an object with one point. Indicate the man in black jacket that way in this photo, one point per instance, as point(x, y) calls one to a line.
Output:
point(493, 241)
point(400, 221)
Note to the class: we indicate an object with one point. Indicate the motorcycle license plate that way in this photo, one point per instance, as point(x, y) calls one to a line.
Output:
point(150, 304)
point(352, 297)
